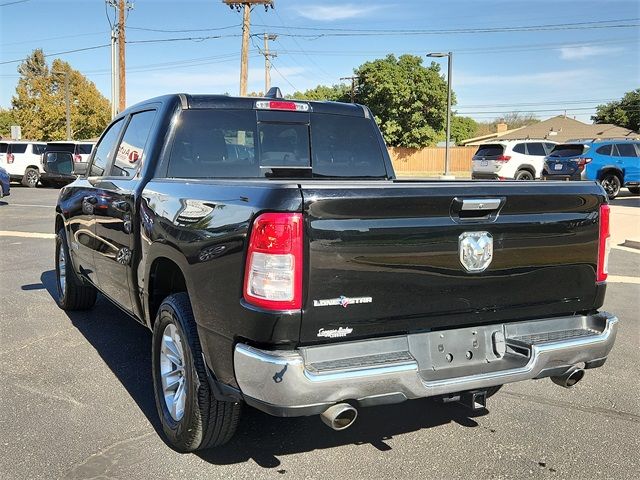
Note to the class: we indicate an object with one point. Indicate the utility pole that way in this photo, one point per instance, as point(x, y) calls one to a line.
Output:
point(114, 68)
point(267, 60)
point(353, 86)
point(122, 87)
point(245, 6)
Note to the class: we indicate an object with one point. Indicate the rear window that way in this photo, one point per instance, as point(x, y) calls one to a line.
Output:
point(568, 150)
point(490, 150)
point(18, 147)
point(61, 147)
point(233, 144)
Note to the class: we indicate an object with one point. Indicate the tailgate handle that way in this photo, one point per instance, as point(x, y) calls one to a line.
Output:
point(480, 204)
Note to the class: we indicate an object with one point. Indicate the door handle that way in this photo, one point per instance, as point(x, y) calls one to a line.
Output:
point(121, 205)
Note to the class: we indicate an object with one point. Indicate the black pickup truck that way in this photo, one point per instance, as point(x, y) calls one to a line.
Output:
point(279, 263)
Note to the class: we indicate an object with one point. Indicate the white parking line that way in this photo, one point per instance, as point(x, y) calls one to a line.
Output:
point(625, 249)
point(11, 233)
point(623, 279)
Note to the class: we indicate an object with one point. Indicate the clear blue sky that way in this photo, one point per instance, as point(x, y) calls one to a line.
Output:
point(572, 68)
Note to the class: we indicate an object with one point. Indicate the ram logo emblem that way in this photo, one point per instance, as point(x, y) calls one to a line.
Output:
point(476, 250)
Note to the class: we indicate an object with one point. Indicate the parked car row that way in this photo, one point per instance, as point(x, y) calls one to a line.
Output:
point(612, 163)
point(29, 163)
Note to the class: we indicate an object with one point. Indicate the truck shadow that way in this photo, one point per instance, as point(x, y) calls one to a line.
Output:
point(125, 347)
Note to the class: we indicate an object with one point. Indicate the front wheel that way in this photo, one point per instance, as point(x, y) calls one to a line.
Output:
point(191, 417)
point(634, 190)
point(611, 184)
point(31, 177)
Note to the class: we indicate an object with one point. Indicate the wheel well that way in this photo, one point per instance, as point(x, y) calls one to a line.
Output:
point(165, 278)
point(527, 168)
point(59, 224)
point(616, 172)
point(35, 167)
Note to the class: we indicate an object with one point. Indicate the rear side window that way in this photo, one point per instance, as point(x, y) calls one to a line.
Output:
point(105, 149)
point(490, 150)
point(3, 147)
point(345, 147)
point(567, 150)
point(625, 150)
point(549, 146)
point(84, 148)
point(520, 148)
point(536, 149)
point(604, 150)
point(133, 144)
point(18, 147)
point(37, 148)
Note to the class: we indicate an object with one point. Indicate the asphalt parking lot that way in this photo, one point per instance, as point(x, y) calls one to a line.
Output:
point(76, 399)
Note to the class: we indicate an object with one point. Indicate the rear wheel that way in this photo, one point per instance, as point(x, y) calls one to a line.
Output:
point(31, 177)
point(524, 175)
point(634, 190)
point(191, 417)
point(611, 184)
point(72, 293)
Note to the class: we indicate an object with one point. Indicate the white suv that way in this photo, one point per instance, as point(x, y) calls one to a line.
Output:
point(511, 159)
point(22, 160)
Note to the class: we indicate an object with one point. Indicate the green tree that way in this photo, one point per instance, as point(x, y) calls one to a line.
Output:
point(624, 112)
point(7, 118)
point(335, 93)
point(408, 99)
point(39, 102)
point(462, 128)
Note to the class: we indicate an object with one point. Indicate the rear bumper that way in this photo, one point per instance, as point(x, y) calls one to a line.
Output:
point(308, 380)
point(484, 176)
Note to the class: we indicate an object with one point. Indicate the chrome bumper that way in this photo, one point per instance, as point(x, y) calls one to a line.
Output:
point(389, 370)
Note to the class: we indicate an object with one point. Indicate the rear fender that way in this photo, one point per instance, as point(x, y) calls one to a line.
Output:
point(610, 169)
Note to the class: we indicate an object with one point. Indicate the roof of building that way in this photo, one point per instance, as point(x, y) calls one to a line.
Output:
point(562, 129)
point(488, 136)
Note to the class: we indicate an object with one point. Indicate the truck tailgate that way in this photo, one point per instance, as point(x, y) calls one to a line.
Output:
point(384, 257)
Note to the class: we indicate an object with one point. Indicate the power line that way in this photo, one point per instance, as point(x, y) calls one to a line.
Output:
point(283, 77)
point(59, 53)
point(12, 3)
point(185, 30)
point(183, 39)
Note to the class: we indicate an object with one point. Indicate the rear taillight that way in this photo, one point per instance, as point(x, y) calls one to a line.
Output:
point(503, 158)
point(77, 158)
point(603, 245)
point(10, 158)
point(582, 162)
point(273, 274)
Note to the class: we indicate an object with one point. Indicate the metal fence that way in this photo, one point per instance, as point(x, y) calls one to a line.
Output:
point(430, 160)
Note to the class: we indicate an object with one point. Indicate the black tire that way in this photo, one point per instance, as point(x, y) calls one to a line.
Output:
point(524, 175)
point(73, 294)
point(634, 190)
point(31, 178)
point(205, 421)
point(611, 184)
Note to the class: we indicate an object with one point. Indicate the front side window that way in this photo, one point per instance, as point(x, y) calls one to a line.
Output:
point(132, 146)
point(536, 149)
point(38, 148)
point(105, 150)
point(625, 150)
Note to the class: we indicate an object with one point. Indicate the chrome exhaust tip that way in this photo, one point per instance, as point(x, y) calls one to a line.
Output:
point(339, 416)
point(569, 379)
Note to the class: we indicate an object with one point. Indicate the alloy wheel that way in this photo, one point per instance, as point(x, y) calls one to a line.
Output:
point(172, 372)
point(62, 271)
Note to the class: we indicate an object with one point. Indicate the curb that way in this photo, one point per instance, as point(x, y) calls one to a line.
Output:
point(632, 244)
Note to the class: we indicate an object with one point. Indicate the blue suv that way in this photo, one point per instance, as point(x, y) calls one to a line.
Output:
point(613, 163)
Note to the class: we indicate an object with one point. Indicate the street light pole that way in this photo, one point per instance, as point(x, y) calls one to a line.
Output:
point(449, 56)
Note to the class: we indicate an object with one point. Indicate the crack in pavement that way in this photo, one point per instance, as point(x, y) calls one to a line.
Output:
point(98, 464)
point(629, 417)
